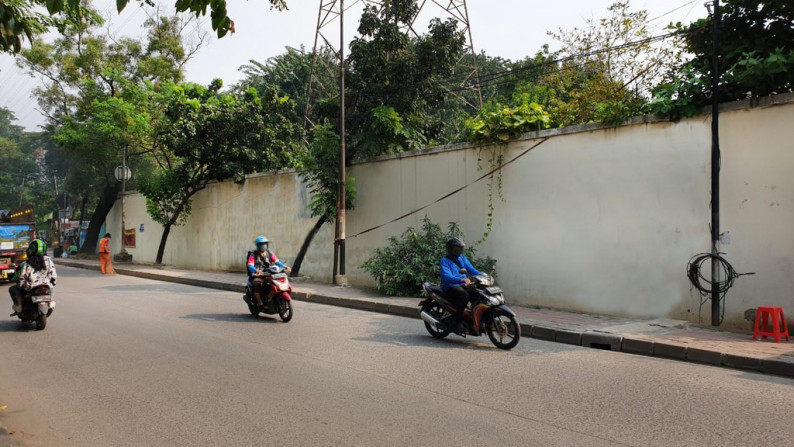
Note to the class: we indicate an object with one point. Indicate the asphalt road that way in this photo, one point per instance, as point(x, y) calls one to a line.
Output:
point(131, 362)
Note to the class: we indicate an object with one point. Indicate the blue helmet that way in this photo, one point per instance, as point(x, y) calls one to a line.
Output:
point(261, 243)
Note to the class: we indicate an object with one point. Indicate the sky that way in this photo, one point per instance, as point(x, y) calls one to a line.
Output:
point(511, 29)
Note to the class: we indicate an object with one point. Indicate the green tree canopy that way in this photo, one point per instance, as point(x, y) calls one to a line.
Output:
point(206, 136)
point(756, 40)
point(96, 101)
point(20, 18)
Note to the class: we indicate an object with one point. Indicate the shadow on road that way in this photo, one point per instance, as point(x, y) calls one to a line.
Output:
point(16, 326)
point(233, 318)
point(391, 332)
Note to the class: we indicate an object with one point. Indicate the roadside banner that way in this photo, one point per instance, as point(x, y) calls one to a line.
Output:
point(129, 238)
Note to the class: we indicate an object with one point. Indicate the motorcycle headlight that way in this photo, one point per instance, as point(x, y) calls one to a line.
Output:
point(496, 300)
point(485, 280)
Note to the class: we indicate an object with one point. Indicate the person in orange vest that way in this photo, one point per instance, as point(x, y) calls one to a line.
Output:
point(105, 264)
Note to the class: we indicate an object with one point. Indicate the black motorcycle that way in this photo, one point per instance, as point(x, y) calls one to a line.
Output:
point(488, 313)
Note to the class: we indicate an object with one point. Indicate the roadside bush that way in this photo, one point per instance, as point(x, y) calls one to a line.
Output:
point(401, 267)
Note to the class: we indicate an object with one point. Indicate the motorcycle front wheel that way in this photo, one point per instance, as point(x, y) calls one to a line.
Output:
point(285, 310)
point(503, 330)
point(437, 312)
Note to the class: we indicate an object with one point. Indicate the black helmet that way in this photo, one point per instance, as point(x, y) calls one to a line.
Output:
point(455, 246)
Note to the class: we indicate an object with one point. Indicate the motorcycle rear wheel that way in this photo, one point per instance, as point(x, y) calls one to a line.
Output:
point(503, 330)
point(285, 310)
point(437, 312)
point(41, 322)
point(253, 309)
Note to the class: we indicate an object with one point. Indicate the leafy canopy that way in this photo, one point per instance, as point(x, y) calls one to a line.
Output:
point(205, 135)
point(20, 18)
point(756, 57)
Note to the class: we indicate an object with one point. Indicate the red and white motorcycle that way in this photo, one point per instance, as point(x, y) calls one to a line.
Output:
point(277, 300)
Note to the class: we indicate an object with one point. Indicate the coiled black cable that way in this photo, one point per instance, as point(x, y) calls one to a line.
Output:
point(705, 286)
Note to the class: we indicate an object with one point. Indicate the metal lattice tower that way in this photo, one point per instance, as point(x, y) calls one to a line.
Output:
point(326, 37)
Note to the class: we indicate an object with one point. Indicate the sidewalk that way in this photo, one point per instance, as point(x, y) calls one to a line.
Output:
point(672, 339)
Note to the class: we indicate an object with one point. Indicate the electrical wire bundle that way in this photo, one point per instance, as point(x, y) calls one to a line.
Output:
point(705, 287)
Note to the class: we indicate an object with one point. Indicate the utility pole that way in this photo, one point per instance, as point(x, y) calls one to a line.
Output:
point(123, 174)
point(22, 189)
point(716, 303)
point(329, 11)
point(340, 278)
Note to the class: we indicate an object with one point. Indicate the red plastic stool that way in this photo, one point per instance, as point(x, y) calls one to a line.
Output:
point(763, 314)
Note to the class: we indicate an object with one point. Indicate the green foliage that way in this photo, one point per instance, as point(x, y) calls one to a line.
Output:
point(406, 263)
point(290, 72)
point(98, 96)
point(394, 80)
point(756, 57)
point(24, 177)
point(682, 96)
point(497, 123)
point(20, 18)
point(205, 135)
point(321, 174)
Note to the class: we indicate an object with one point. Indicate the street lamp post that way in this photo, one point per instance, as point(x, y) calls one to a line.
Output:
point(123, 174)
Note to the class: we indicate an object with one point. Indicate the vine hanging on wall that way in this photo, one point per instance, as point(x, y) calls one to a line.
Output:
point(498, 124)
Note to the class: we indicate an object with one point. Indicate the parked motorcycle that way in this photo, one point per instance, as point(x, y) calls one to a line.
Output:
point(277, 299)
point(488, 313)
point(37, 306)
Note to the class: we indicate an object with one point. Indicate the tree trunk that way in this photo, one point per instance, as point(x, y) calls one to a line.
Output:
point(106, 201)
point(167, 228)
point(163, 239)
point(296, 266)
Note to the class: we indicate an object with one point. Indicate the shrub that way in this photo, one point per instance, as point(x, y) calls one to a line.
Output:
point(401, 267)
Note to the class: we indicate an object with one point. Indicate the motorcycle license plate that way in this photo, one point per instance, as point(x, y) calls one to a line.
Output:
point(279, 275)
point(42, 299)
point(494, 290)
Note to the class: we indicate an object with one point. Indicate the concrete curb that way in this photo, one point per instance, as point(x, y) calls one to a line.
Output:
point(590, 339)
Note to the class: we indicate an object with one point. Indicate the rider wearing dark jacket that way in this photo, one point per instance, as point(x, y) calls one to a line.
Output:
point(454, 282)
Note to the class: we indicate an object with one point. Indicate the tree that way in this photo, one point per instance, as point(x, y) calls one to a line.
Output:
point(23, 169)
point(95, 101)
point(608, 69)
point(93, 142)
point(321, 174)
point(208, 136)
point(756, 57)
point(290, 72)
point(394, 80)
point(20, 18)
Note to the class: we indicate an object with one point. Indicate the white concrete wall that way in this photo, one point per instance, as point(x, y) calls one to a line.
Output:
point(593, 219)
point(599, 221)
point(757, 206)
point(225, 220)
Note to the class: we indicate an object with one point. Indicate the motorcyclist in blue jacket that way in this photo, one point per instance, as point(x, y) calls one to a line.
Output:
point(454, 282)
